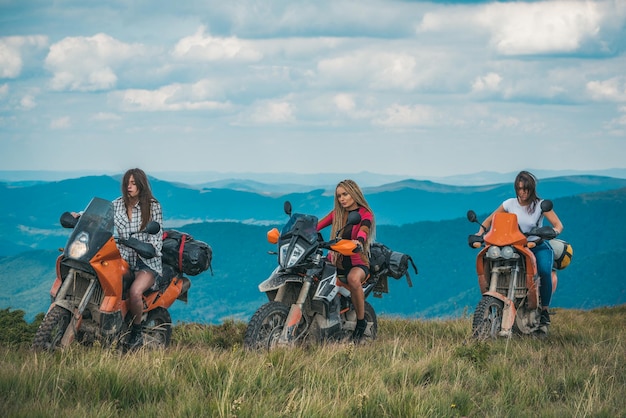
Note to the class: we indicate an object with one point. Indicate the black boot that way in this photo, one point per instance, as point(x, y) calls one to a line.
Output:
point(544, 324)
point(361, 325)
point(135, 340)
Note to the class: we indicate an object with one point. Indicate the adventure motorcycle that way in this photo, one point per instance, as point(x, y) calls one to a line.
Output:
point(308, 300)
point(90, 295)
point(508, 278)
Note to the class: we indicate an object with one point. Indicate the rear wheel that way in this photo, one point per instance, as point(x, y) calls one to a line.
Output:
point(371, 332)
point(265, 326)
point(50, 332)
point(487, 320)
point(157, 329)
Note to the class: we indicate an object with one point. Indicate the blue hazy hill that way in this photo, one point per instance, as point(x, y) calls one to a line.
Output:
point(446, 284)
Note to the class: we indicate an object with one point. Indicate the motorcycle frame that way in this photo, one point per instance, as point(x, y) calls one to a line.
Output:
point(504, 232)
point(110, 270)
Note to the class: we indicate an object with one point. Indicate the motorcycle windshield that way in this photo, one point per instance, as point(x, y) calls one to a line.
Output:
point(93, 230)
point(505, 230)
point(304, 226)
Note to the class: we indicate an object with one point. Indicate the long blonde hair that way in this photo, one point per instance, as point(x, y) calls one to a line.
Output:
point(341, 214)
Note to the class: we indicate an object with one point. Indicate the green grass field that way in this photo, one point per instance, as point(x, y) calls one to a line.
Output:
point(414, 369)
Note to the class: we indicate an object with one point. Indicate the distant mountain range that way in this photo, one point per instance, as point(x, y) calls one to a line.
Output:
point(293, 182)
point(29, 213)
point(423, 219)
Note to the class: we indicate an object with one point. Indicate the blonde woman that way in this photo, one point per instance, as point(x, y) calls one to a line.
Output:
point(349, 197)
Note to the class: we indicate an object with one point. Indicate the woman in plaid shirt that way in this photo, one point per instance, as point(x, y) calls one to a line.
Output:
point(133, 210)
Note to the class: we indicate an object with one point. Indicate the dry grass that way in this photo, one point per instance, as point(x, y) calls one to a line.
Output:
point(415, 369)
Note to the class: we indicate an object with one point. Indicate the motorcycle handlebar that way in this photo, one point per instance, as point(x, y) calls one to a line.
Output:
point(545, 232)
point(144, 249)
point(343, 246)
point(535, 236)
point(475, 241)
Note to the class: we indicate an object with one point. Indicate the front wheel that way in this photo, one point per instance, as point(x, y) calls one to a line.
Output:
point(265, 326)
point(50, 332)
point(487, 321)
point(157, 329)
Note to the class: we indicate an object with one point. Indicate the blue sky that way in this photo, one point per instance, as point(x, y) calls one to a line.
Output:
point(393, 87)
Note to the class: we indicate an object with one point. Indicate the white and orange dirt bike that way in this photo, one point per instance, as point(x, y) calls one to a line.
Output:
point(90, 293)
point(508, 278)
point(308, 301)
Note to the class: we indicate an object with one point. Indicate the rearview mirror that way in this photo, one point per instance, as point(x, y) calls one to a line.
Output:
point(68, 221)
point(152, 228)
point(546, 205)
point(354, 218)
point(287, 207)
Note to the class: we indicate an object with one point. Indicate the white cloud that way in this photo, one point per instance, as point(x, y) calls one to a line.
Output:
point(520, 28)
point(104, 116)
point(406, 116)
point(505, 122)
point(613, 89)
point(61, 123)
point(201, 47)
point(344, 102)
point(378, 70)
point(173, 97)
point(12, 49)
point(28, 102)
point(543, 27)
point(88, 63)
point(489, 82)
point(617, 126)
point(271, 112)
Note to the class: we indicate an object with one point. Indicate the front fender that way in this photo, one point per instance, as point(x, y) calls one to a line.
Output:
point(277, 279)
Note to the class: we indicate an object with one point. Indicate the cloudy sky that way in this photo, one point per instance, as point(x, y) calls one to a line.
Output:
point(395, 87)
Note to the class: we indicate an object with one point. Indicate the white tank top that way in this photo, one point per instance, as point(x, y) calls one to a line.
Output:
point(525, 220)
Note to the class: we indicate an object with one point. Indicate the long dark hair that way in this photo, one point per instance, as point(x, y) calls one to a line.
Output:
point(529, 182)
point(145, 194)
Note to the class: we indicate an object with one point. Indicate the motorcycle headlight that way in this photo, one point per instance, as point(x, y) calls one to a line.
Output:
point(493, 252)
point(508, 252)
point(79, 246)
point(289, 260)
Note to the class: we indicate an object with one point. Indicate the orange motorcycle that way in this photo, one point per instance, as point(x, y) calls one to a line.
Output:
point(507, 276)
point(90, 295)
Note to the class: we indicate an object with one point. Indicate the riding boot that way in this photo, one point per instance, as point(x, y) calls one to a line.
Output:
point(361, 325)
point(544, 324)
point(136, 337)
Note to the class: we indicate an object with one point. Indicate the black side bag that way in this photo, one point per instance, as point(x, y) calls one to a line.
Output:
point(185, 254)
point(385, 261)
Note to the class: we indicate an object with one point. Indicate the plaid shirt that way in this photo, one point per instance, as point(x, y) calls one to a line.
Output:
point(125, 227)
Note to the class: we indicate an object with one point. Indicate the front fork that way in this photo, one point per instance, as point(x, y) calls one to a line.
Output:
point(509, 311)
point(77, 311)
point(295, 315)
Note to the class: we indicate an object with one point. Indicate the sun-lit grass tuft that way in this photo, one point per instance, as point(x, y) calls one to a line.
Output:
point(416, 368)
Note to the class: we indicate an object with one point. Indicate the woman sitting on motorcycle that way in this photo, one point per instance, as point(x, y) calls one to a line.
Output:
point(526, 205)
point(349, 197)
point(133, 210)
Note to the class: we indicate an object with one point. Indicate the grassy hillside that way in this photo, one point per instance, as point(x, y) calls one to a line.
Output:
point(415, 369)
